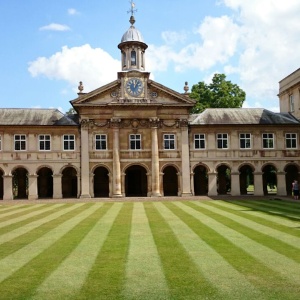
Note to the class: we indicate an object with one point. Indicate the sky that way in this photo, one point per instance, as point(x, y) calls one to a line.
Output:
point(49, 46)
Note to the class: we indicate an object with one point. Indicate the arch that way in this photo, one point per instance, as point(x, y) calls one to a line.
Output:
point(1, 184)
point(246, 179)
point(101, 182)
point(223, 179)
point(200, 180)
point(291, 174)
point(136, 181)
point(20, 183)
point(170, 181)
point(69, 182)
point(269, 179)
point(45, 182)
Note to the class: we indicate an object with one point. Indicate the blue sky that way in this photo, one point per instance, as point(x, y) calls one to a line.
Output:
point(49, 46)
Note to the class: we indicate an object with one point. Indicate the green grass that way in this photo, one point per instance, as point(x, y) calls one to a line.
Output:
point(151, 250)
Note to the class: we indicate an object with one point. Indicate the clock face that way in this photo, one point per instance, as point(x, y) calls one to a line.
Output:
point(134, 87)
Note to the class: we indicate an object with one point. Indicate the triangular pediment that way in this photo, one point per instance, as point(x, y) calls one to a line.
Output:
point(114, 93)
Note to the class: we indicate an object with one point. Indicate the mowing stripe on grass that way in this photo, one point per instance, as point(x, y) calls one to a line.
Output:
point(106, 279)
point(29, 215)
point(230, 283)
point(22, 230)
point(144, 275)
point(289, 270)
point(18, 259)
point(293, 241)
point(261, 214)
point(184, 278)
point(74, 269)
point(7, 208)
point(19, 212)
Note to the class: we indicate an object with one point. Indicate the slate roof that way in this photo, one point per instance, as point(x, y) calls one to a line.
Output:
point(242, 116)
point(36, 117)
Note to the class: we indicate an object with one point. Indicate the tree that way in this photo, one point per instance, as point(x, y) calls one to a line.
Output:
point(220, 93)
point(71, 111)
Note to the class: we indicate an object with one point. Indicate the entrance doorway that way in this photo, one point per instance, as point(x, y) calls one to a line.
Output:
point(269, 180)
point(45, 183)
point(136, 182)
point(69, 183)
point(101, 182)
point(170, 181)
point(20, 183)
point(200, 181)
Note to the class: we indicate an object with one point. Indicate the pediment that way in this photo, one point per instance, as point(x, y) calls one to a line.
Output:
point(114, 94)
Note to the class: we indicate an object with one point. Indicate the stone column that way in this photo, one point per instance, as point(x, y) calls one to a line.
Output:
point(281, 184)
point(32, 187)
point(235, 184)
point(116, 182)
point(212, 184)
point(258, 184)
point(84, 160)
point(92, 185)
point(57, 186)
point(155, 158)
point(7, 187)
point(185, 159)
point(192, 183)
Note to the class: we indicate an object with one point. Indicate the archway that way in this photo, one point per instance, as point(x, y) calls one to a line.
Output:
point(69, 183)
point(101, 182)
point(246, 180)
point(1, 185)
point(200, 181)
point(136, 182)
point(223, 179)
point(269, 180)
point(20, 183)
point(45, 183)
point(291, 174)
point(170, 181)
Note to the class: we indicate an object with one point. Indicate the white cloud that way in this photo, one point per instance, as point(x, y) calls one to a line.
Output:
point(173, 37)
point(55, 27)
point(72, 11)
point(94, 67)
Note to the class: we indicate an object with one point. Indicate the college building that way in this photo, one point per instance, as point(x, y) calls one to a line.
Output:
point(135, 137)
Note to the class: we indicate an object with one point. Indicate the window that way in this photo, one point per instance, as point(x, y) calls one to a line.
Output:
point(199, 141)
point(45, 142)
point(100, 142)
point(245, 140)
point(169, 141)
point(20, 142)
point(133, 58)
point(135, 141)
point(222, 140)
point(292, 105)
point(268, 140)
point(291, 140)
point(69, 142)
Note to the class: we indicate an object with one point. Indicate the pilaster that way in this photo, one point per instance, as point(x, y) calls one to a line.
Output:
point(235, 184)
point(258, 184)
point(212, 184)
point(7, 187)
point(32, 187)
point(281, 184)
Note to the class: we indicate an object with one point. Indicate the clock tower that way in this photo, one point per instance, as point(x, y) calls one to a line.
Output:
point(133, 75)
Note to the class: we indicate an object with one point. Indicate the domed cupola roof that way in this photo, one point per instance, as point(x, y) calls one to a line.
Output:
point(132, 35)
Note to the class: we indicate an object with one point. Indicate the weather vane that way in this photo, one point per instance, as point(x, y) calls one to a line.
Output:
point(132, 10)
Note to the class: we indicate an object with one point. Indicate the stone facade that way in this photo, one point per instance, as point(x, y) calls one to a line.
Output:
point(136, 137)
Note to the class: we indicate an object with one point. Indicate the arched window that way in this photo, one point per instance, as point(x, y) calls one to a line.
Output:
point(133, 58)
point(124, 59)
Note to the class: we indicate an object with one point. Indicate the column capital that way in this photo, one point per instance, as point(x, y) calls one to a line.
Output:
point(115, 122)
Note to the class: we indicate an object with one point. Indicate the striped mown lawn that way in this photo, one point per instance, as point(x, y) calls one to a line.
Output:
point(150, 250)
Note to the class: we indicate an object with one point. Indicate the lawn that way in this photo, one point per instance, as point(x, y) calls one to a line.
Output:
point(150, 250)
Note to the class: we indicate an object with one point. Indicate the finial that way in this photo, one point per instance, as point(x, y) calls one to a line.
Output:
point(80, 87)
point(132, 11)
point(186, 87)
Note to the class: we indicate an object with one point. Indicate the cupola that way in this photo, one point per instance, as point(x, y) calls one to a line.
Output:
point(132, 47)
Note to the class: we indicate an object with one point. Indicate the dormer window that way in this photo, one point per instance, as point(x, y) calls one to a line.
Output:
point(133, 58)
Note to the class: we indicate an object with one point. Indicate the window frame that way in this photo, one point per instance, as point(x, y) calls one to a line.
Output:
point(100, 140)
point(21, 142)
point(222, 139)
point(69, 141)
point(135, 141)
point(201, 139)
point(246, 139)
point(44, 141)
point(170, 141)
point(295, 139)
point(268, 139)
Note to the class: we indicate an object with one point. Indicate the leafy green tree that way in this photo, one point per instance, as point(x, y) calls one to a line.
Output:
point(220, 93)
point(71, 111)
